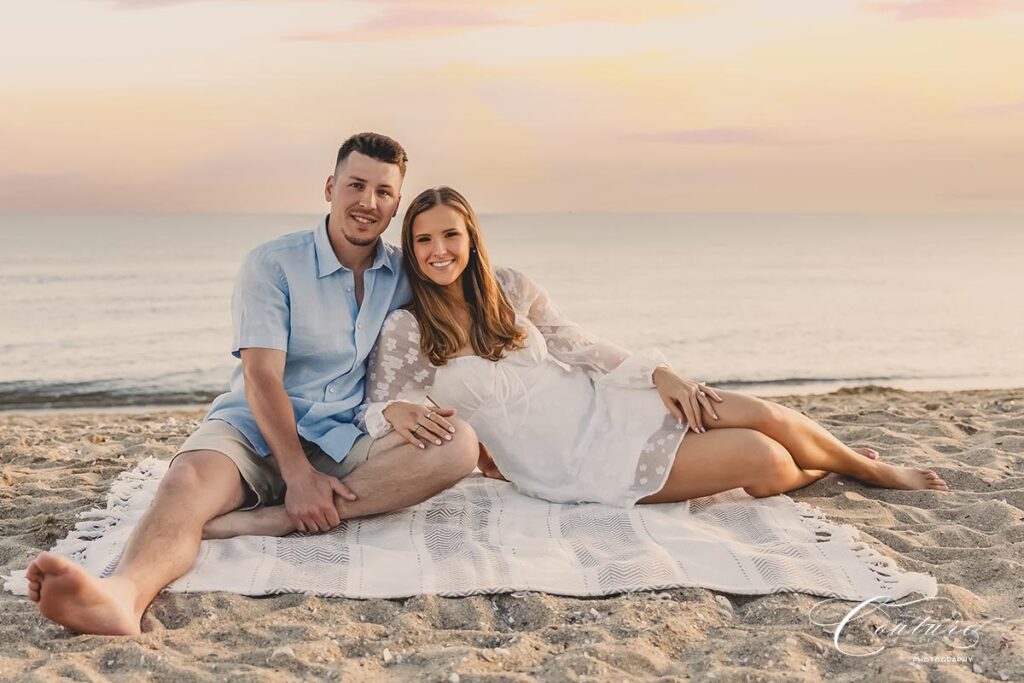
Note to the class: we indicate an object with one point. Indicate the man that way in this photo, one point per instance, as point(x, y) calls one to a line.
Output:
point(307, 310)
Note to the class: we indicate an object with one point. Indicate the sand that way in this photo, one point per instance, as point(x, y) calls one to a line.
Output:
point(972, 540)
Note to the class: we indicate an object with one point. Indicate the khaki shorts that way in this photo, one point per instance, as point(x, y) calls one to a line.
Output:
point(262, 474)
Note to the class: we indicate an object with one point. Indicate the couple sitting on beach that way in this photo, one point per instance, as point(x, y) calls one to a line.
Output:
point(373, 378)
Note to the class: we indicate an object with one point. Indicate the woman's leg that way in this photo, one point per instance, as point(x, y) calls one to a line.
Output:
point(724, 459)
point(811, 445)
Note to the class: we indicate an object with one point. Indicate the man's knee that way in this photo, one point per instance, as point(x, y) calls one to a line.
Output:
point(185, 472)
point(465, 449)
point(457, 458)
point(201, 475)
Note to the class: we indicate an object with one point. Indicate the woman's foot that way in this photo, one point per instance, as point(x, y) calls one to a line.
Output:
point(904, 478)
point(263, 521)
point(72, 597)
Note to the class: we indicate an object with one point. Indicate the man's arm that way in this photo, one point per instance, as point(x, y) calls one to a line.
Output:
point(309, 499)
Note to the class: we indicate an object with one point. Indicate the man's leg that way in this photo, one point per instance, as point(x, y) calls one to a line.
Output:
point(199, 486)
point(397, 475)
point(401, 475)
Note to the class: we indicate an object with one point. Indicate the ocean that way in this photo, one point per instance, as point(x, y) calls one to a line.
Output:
point(135, 310)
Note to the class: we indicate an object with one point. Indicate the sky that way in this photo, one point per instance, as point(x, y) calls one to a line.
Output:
point(523, 105)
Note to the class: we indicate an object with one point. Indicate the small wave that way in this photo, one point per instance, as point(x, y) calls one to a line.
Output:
point(182, 388)
point(857, 380)
point(824, 385)
point(801, 381)
point(111, 393)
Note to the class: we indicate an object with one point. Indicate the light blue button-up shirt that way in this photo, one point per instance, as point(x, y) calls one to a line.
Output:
point(293, 294)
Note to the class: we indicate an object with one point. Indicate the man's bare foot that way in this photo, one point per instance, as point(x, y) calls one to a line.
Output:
point(263, 521)
point(904, 478)
point(869, 453)
point(70, 596)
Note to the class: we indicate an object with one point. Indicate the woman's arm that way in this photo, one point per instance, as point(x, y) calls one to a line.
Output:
point(610, 364)
point(397, 381)
point(571, 344)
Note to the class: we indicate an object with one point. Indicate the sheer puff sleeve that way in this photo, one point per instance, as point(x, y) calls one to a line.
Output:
point(396, 371)
point(571, 344)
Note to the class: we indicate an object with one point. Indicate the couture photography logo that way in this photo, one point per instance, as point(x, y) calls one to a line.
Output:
point(877, 623)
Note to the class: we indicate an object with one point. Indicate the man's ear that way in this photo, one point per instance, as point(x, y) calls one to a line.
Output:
point(329, 187)
point(398, 203)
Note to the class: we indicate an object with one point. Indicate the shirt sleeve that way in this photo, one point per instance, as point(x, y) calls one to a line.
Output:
point(260, 306)
point(574, 346)
point(397, 371)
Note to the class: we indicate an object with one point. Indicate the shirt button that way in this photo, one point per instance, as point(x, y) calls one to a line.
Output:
point(330, 390)
point(348, 289)
point(359, 326)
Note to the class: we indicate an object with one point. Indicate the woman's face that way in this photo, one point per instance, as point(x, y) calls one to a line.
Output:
point(441, 244)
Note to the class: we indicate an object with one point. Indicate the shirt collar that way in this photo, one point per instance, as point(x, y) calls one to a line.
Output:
point(327, 262)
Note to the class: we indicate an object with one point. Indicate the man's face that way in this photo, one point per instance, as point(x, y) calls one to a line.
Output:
point(364, 195)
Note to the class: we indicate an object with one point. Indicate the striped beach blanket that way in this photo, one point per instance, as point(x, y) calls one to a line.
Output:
point(481, 536)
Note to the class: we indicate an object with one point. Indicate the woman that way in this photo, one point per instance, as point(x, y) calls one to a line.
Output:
point(566, 417)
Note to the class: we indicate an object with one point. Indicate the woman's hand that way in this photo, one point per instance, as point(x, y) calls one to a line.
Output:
point(416, 422)
point(685, 398)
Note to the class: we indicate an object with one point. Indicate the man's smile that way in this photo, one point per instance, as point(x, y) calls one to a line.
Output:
point(363, 219)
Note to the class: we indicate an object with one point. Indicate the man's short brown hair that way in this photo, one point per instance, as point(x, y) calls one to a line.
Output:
point(375, 146)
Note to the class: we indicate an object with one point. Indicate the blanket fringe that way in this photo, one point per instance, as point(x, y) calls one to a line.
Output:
point(891, 580)
point(97, 522)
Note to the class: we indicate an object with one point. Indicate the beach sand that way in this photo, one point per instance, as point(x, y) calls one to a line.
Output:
point(972, 540)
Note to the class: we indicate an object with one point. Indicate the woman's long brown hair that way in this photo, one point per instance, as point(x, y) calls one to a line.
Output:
point(494, 329)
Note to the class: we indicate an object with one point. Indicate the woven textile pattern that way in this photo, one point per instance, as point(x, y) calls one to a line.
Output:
point(481, 536)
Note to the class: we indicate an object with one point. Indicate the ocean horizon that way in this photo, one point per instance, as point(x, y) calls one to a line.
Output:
point(122, 310)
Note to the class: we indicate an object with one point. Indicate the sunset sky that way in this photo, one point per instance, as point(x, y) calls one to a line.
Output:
point(528, 105)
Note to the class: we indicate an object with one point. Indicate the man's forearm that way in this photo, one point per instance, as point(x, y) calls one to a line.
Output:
point(272, 409)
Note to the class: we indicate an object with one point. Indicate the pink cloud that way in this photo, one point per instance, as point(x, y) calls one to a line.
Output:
point(408, 23)
point(405, 19)
point(762, 137)
point(986, 195)
point(909, 10)
point(402, 19)
point(730, 135)
point(36, 191)
point(1006, 109)
point(714, 136)
point(154, 4)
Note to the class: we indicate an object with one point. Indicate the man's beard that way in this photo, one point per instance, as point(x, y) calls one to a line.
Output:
point(359, 241)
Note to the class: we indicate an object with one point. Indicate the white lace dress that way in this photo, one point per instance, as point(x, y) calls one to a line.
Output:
point(567, 418)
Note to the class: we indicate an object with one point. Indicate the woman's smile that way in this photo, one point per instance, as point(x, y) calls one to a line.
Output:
point(442, 264)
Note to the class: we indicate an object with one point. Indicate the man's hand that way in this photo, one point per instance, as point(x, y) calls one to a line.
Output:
point(685, 398)
point(416, 422)
point(309, 500)
point(486, 465)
